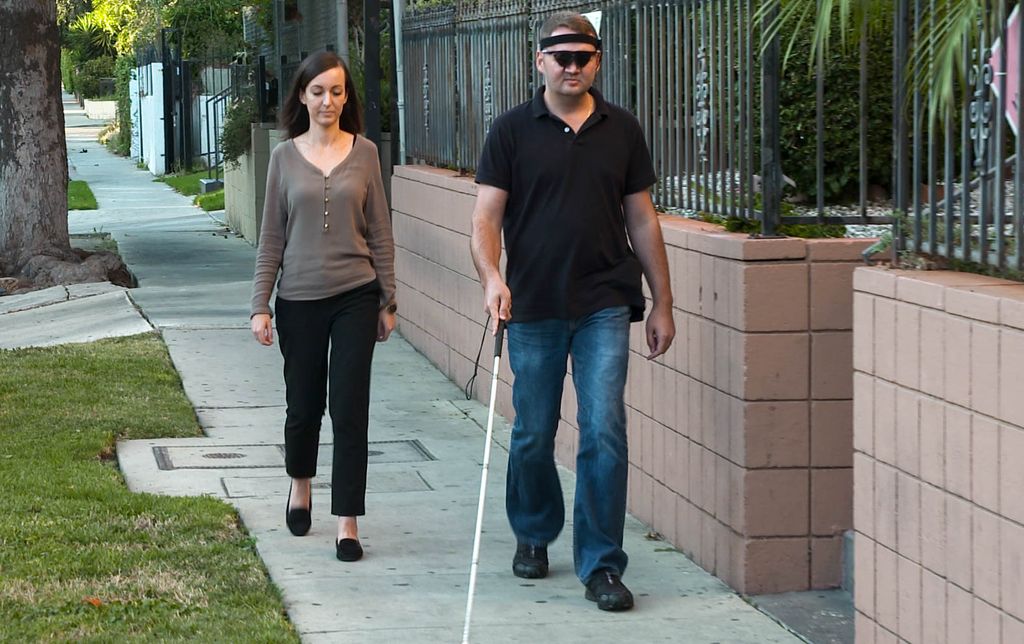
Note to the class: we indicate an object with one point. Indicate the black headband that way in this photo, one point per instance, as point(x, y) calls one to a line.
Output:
point(581, 38)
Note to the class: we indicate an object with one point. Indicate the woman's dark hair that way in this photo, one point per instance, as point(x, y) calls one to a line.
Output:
point(295, 117)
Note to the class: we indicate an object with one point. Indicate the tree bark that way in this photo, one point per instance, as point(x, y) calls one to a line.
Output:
point(33, 157)
point(34, 242)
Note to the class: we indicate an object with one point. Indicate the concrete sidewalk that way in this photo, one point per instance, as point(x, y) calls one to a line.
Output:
point(424, 475)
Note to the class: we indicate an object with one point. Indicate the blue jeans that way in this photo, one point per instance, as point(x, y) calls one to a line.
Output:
point(599, 346)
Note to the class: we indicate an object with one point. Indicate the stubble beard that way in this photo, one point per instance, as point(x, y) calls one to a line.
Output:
point(564, 89)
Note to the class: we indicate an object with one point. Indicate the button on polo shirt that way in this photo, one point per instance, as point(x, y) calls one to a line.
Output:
point(565, 238)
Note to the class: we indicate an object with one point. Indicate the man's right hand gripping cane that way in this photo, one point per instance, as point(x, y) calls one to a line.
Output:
point(498, 302)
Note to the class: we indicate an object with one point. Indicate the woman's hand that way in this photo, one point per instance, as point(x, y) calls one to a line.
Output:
point(385, 325)
point(262, 329)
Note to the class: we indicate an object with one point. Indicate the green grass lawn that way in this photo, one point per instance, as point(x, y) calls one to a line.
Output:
point(211, 200)
point(81, 557)
point(80, 197)
point(186, 184)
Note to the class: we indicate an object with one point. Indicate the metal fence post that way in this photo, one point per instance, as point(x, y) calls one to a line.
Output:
point(185, 105)
point(168, 70)
point(371, 68)
point(901, 163)
point(771, 172)
point(262, 98)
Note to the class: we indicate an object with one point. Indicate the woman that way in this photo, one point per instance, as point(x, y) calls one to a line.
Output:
point(327, 230)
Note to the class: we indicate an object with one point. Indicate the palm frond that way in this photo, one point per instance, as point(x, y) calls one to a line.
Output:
point(935, 67)
point(827, 15)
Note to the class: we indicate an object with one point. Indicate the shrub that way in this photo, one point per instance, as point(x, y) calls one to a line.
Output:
point(753, 226)
point(87, 81)
point(69, 59)
point(236, 135)
point(121, 141)
point(205, 24)
point(797, 115)
point(91, 36)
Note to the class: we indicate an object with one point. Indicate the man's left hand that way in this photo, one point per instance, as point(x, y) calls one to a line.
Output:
point(661, 329)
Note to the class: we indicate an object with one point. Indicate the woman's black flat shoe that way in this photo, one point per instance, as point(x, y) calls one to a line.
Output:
point(299, 520)
point(349, 550)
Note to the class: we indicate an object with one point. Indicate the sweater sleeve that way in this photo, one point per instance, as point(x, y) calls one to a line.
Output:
point(271, 243)
point(379, 236)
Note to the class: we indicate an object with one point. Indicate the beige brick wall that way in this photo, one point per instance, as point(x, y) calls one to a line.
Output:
point(939, 440)
point(741, 435)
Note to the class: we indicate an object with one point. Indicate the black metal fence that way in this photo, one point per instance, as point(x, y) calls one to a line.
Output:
point(695, 73)
point(433, 112)
point(958, 176)
point(175, 80)
point(703, 85)
point(197, 96)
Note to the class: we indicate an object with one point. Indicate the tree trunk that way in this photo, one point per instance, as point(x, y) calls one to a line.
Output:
point(33, 157)
point(34, 243)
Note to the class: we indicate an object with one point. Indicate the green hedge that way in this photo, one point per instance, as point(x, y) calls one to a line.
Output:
point(89, 73)
point(121, 142)
point(69, 59)
point(797, 115)
point(236, 135)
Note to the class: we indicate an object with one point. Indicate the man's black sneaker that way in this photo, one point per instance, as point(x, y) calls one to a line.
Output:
point(530, 562)
point(606, 588)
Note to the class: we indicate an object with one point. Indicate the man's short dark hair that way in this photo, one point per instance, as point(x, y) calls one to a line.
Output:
point(569, 20)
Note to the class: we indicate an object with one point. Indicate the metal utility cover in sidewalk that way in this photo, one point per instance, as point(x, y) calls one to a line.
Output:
point(219, 457)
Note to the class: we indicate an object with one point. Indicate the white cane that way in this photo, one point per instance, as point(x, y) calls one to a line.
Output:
point(483, 482)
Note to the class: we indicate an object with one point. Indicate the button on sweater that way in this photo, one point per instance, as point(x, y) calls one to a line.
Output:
point(323, 235)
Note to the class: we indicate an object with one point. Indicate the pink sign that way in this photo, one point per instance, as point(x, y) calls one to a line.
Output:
point(1012, 38)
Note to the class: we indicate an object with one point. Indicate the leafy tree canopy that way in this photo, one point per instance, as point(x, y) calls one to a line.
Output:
point(68, 10)
point(104, 27)
point(205, 24)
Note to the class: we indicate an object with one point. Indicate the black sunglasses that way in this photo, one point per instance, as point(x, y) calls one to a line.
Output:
point(565, 58)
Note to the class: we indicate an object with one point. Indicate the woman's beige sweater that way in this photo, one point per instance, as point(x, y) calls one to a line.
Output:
point(324, 235)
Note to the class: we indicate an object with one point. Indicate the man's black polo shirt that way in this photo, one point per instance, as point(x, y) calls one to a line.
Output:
point(565, 235)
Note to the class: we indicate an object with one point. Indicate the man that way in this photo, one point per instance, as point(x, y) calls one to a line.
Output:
point(565, 176)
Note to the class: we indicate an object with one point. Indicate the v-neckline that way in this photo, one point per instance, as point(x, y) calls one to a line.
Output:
point(336, 165)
